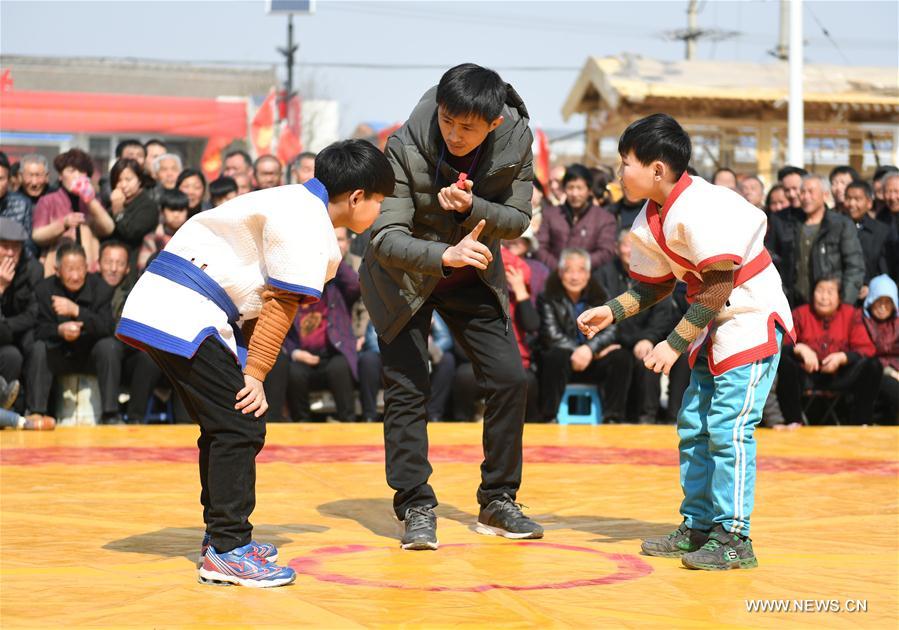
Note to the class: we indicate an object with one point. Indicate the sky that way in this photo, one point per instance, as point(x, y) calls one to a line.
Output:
point(538, 47)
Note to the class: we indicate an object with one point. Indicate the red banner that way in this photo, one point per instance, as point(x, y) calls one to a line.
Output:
point(541, 158)
point(262, 129)
point(289, 143)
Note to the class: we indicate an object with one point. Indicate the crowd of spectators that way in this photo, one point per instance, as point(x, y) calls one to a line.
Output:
point(71, 250)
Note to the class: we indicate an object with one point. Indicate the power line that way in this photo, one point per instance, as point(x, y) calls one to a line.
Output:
point(827, 34)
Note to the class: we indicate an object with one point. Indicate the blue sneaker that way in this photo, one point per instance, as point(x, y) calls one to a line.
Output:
point(263, 550)
point(245, 567)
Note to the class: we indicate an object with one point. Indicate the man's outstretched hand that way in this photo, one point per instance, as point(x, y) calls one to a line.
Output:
point(469, 251)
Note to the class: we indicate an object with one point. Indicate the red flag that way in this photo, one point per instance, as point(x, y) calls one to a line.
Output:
point(541, 158)
point(289, 144)
point(211, 162)
point(6, 82)
point(263, 125)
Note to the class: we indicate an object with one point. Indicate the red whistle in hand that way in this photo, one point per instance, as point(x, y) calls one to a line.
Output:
point(461, 183)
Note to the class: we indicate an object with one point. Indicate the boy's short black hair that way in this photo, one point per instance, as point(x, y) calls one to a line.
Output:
point(864, 186)
point(173, 199)
point(840, 170)
point(222, 186)
point(130, 142)
point(68, 247)
point(788, 170)
point(471, 89)
point(575, 172)
point(658, 137)
point(153, 141)
point(350, 165)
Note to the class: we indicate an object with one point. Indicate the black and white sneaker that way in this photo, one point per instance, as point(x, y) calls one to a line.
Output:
point(503, 517)
point(421, 528)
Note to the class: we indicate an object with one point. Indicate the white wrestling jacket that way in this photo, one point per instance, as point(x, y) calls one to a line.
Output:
point(210, 277)
point(701, 224)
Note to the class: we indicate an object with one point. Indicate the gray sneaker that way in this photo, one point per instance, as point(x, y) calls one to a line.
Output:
point(421, 528)
point(503, 517)
point(722, 551)
point(677, 543)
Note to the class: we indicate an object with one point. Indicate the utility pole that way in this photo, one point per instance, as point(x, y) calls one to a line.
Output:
point(783, 41)
point(693, 33)
point(690, 40)
point(288, 52)
point(796, 116)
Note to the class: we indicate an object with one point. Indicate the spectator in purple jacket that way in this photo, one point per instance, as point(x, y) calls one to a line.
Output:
point(578, 223)
point(322, 349)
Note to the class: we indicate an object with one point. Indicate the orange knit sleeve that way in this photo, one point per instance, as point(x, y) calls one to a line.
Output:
point(266, 336)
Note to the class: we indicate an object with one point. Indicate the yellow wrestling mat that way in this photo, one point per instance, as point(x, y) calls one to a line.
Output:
point(101, 528)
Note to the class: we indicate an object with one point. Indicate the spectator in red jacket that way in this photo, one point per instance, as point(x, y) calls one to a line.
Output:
point(882, 322)
point(832, 352)
point(579, 223)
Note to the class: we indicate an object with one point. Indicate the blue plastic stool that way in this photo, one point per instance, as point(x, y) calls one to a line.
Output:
point(580, 405)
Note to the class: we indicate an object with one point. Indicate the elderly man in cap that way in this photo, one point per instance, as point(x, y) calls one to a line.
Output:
point(19, 275)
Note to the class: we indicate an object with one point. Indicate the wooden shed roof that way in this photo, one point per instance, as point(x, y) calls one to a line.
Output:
point(608, 82)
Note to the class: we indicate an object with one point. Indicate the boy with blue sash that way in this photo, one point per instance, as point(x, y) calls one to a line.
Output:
point(212, 311)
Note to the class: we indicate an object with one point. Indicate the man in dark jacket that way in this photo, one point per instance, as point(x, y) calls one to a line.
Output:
point(815, 243)
point(19, 275)
point(567, 355)
point(425, 255)
point(638, 334)
point(578, 223)
point(74, 333)
point(872, 234)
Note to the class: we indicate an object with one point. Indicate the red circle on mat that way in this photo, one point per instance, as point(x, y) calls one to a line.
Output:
point(627, 567)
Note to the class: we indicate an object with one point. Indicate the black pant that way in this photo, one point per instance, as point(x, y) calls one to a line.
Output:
point(276, 389)
point(103, 359)
point(332, 373)
point(888, 400)
point(441, 385)
point(11, 369)
point(369, 383)
point(611, 374)
point(467, 391)
point(643, 397)
point(478, 325)
point(229, 440)
point(859, 380)
point(10, 362)
point(142, 375)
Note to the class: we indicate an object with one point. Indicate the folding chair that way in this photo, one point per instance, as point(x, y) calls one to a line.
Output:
point(827, 398)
